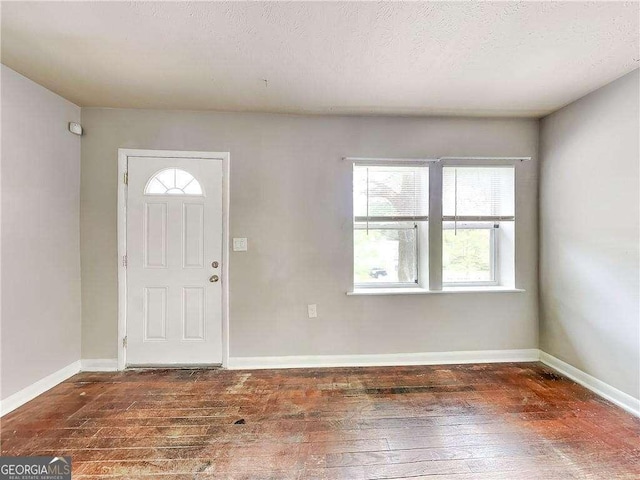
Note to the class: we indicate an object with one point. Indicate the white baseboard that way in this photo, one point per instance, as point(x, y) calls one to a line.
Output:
point(384, 360)
point(99, 365)
point(18, 399)
point(623, 400)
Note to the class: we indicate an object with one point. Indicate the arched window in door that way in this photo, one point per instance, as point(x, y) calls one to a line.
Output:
point(173, 181)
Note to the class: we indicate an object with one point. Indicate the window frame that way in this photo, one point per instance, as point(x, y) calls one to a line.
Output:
point(392, 162)
point(432, 279)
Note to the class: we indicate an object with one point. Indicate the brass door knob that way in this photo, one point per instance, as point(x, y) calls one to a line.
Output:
point(214, 278)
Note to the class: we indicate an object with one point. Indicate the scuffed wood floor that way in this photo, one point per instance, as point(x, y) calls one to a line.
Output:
point(500, 421)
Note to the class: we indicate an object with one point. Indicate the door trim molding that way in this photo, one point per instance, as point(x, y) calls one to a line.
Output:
point(123, 161)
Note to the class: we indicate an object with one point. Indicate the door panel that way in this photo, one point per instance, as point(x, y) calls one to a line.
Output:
point(193, 313)
point(174, 233)
point(193, 234)
point(155, 233)
point(155, 313)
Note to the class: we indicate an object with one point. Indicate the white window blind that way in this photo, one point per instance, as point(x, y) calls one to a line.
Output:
point(478, 193)
point(390, 193)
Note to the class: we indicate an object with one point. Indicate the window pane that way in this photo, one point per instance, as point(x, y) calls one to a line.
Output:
point(155, 187)
point(478, 191)
point(390, 191)
point(385, 255)
point(173, 181)
point(193, 188)
point(182, 178)
point(466, 255)
point(167, 177)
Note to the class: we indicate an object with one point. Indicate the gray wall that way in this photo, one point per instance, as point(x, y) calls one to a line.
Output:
point(291, 196)
point(590, 239)
point(40, 233)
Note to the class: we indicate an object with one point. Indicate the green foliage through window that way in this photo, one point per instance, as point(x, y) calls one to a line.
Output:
point(466, 255)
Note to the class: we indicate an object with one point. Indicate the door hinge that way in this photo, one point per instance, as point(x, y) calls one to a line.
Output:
point(124, 261)
point(126, 178)
point(124, 341)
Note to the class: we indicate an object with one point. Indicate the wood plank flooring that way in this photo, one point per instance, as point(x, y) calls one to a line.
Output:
point(499, 421)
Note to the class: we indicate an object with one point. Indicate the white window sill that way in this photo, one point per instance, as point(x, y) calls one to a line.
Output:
point(423, 291)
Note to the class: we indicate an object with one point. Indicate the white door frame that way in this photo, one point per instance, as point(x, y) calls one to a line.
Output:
point(123, 161)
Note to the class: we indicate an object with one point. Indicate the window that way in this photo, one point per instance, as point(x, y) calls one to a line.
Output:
point(473, 217)
point(172, 181)
point(391, 206)
point(468, 254)
point(476, 203)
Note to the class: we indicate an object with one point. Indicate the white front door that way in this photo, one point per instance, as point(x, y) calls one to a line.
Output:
point(174, 255)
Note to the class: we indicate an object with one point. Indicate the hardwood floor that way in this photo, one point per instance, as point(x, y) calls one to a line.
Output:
point(499, 421)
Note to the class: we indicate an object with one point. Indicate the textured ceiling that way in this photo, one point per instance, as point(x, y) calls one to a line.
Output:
point(506, 59)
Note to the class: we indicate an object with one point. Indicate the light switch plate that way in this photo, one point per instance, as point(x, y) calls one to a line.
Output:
point(312, 310)
point(239, 244)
